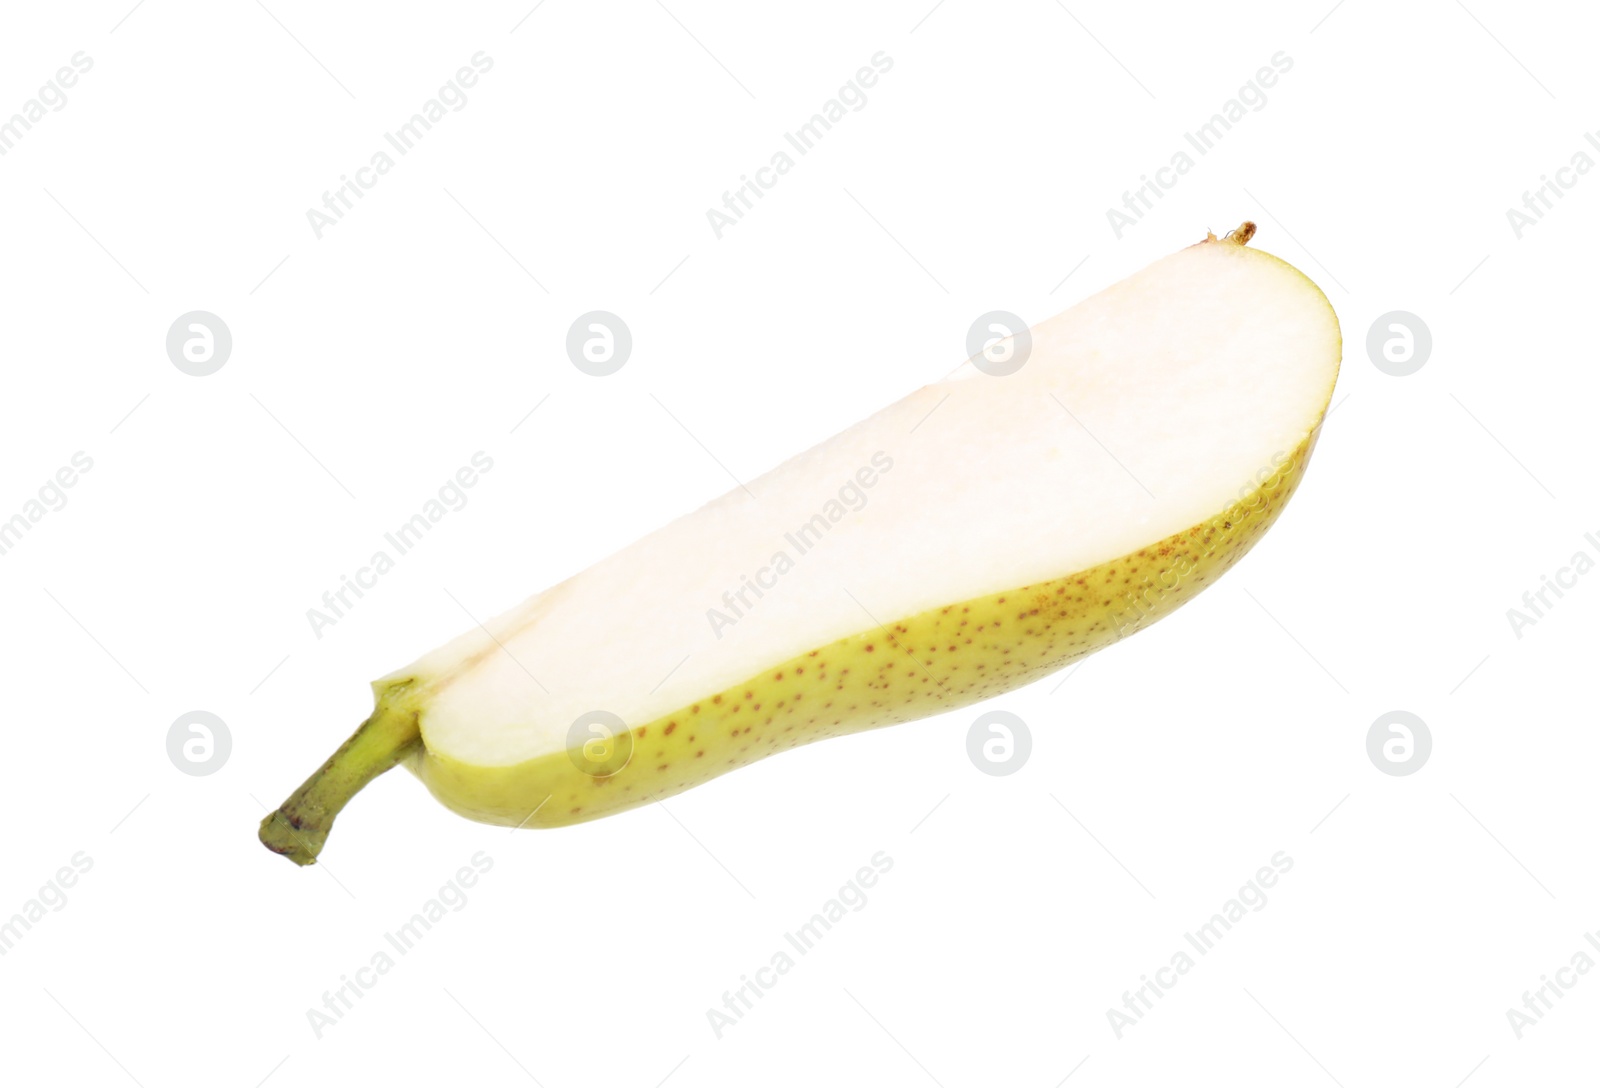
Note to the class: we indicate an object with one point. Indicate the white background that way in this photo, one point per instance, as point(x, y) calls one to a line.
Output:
point(370, 364)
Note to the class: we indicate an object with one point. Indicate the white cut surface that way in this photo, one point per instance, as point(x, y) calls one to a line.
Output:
point(1140, 412)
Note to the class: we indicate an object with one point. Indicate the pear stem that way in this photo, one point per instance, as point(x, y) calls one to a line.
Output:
point(301, 824)
point(1238, 236)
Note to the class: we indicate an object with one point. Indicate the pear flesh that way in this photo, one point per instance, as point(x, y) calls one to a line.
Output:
point(978, 534)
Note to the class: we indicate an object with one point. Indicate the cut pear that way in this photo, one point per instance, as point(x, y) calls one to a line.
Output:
point(972, 537)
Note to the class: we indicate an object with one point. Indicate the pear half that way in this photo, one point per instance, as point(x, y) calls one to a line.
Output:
point(972, 537)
